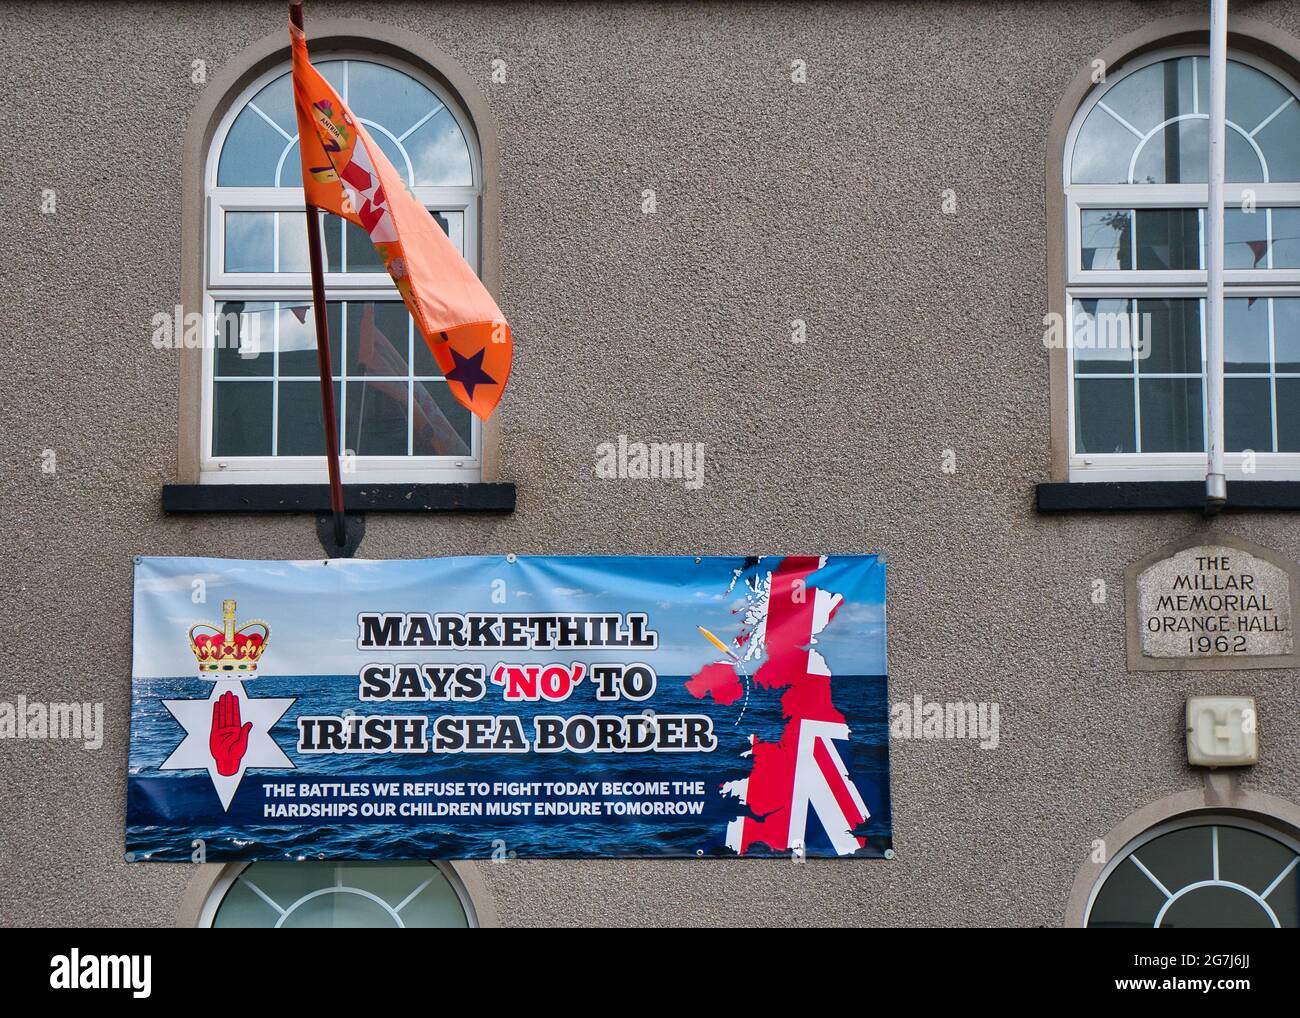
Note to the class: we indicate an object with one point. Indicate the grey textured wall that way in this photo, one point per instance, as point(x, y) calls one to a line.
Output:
point(776, 201)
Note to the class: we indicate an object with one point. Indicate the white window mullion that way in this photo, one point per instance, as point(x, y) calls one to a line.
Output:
point(275, 383)
point(1272, 370)
point(1137, 383)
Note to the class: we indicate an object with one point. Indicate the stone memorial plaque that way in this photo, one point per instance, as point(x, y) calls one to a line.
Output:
point(1210, 603)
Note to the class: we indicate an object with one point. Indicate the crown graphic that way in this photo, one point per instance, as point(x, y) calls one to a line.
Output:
point(229, 649)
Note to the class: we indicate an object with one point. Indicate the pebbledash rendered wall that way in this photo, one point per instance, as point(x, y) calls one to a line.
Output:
point(819, 201)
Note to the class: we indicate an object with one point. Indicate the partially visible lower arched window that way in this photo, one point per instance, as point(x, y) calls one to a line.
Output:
point(376, 895)
point(1201, 871)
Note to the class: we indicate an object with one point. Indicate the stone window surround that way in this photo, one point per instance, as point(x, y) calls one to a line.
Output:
point(1221, 794)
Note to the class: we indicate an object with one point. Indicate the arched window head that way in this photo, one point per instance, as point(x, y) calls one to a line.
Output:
point(1200, 872)
point(261, 418)
point(418, 133)
point(1151, 126)
point(307, 894)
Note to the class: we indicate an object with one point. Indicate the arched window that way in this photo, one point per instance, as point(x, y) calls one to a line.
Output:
point(1198, 872)
point(308, 894)
point(261, 417)
point(1135, 186)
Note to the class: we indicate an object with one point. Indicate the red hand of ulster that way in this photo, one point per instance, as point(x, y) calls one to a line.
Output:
point(229, 740)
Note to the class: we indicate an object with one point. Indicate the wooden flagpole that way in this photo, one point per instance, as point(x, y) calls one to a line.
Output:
point(323, 351)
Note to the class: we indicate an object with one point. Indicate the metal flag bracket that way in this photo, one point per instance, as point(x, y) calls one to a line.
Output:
point(354, 526)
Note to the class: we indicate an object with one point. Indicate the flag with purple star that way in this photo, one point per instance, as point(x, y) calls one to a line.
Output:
point(469, 372)
point(346, 173)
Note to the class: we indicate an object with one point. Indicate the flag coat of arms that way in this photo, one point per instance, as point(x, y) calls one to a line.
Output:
point(346, 173)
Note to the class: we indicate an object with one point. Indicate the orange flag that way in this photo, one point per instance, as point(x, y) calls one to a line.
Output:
point(346, 173)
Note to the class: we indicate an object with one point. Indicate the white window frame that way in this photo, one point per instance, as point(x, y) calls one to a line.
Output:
point(1081, 284)
point(219, 285)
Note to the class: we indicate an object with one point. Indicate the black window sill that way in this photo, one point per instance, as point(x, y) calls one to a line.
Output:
point(357, 498)
point(1108, 496)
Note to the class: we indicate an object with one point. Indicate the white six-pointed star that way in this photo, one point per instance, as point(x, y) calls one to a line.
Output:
point(199, 717)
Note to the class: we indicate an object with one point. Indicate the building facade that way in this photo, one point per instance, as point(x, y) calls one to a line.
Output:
point(844, 250)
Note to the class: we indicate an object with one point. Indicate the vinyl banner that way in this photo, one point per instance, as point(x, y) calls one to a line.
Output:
point(503, 707)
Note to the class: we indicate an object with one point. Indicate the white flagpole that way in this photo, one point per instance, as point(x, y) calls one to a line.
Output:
point(1216, 482)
